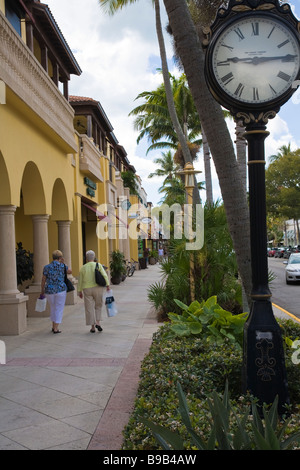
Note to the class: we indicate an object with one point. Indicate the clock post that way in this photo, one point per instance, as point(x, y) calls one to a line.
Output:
point(264, 373)
point(252, 63)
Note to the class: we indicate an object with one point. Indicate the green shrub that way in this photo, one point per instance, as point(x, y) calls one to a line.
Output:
point(209, 320)
point(24, 261)
point(202, 368)
point(264, 434)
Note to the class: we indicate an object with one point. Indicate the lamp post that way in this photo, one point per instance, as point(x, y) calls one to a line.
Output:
point(189, 183)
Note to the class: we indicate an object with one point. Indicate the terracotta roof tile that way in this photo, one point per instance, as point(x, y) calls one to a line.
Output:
point(81, 98)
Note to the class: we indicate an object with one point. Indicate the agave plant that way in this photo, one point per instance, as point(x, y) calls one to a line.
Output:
point(266, 431)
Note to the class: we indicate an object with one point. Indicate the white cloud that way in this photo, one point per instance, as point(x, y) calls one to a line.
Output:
point(118, 56)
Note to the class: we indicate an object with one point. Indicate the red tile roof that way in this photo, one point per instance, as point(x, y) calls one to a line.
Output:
point(78, 99)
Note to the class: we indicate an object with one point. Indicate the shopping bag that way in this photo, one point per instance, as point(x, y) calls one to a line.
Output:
point(41, 303)
point(110, 304)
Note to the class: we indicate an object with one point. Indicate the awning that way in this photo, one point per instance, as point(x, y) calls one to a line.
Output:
point(99, 215)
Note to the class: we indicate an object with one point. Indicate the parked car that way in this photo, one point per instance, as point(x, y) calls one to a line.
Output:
point(292, 270)
point(291, 250)
point(280, 252)
point(272, 251)
point(287, 253)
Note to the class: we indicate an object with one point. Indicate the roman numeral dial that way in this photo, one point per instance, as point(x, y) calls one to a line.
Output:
point(255, 59)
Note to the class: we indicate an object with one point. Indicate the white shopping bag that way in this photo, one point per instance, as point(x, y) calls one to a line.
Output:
point(110, 304)
point(40, 305)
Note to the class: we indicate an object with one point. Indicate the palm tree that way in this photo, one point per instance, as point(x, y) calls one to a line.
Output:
point(167, 167)
point(191, 54)
point(283, 150)
point(153, 120)
point(114, 5)
point(173, 191)
point(212, 120)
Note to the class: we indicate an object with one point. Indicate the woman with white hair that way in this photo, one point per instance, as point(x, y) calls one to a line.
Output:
point(91, 292)
point(53, 285)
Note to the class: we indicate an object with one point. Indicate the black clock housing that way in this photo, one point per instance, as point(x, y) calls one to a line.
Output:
point(241, 12)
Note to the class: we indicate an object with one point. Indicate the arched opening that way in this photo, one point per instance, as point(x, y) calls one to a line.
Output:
point(5, 188)
point(32, 202)
point(32, 190)
point(60, 206)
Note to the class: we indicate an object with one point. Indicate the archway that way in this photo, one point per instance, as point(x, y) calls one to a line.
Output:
point(32, 190)
point(5, 188)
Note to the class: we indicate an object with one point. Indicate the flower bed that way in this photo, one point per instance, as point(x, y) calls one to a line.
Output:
point(201, 368)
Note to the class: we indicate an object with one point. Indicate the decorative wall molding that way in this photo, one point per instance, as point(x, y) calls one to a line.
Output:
point(24, 75)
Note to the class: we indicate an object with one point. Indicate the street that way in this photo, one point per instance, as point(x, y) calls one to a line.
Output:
point(283, 295)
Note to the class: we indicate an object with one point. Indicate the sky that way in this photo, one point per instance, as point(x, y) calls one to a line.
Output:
point(119, 58)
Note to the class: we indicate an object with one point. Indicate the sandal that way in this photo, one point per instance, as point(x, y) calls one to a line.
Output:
point(92, 331)
point(99, 328)
point(56, 331)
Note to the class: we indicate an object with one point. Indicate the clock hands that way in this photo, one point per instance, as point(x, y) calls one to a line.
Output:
point(258, 60)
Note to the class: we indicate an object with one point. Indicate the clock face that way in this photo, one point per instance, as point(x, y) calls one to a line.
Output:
point(256, 59)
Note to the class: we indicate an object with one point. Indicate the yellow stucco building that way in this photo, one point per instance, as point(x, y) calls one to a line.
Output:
point(59, 160)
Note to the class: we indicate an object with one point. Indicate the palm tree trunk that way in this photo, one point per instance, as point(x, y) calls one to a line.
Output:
point(241, 155)
point(220, 143)
point(207, 170)
point(169, 95)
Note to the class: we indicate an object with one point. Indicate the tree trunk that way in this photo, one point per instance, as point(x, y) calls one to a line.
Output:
point(220, 143)
point(241, 153)
point(169, 95)
point(207, 170)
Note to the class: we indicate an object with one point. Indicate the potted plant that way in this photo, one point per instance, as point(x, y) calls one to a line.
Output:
point(24, 260)
point(153, 255)
point(117, 267)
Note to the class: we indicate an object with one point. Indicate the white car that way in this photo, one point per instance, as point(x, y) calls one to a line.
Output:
point(292, 270)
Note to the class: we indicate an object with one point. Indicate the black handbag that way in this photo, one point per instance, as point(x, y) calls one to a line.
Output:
point(100, 280)
point(69, 284)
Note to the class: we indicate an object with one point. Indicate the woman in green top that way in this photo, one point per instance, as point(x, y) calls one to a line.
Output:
point(89, 290)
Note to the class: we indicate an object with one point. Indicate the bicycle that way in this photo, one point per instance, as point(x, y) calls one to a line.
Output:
point(131, 267)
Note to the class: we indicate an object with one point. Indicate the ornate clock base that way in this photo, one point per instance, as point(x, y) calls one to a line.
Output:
point(264, 374)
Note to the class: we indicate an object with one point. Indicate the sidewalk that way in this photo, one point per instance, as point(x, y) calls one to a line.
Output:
point(75, 390)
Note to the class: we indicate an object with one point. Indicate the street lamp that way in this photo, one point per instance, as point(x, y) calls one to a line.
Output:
point(189, 183)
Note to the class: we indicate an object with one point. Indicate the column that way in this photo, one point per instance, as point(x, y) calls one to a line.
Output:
point(55, 77)
point(8, 270)
point(44, 58)
point(64, 240)
point(64, 245)
point(89, 122)
point(40, 259)
point(66, 89)
point(12, 303)
point(40, 246)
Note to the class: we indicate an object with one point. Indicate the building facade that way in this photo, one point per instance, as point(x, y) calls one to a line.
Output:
point(59, 160)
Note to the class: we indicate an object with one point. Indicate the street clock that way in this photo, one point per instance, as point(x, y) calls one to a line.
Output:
point(253, 56)
point(252, 66)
